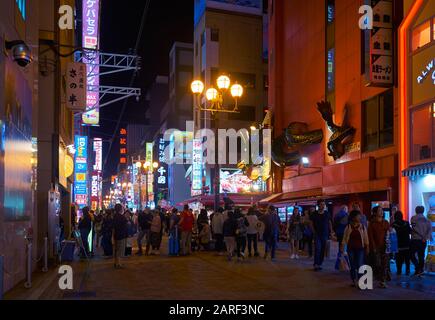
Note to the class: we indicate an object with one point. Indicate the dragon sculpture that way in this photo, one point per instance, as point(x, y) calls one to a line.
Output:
point(294, 137)
point(341, 135)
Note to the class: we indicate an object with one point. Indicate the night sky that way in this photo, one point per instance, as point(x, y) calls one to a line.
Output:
point(166, 22)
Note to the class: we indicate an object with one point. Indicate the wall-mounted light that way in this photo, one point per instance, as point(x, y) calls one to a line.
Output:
point(305, 161)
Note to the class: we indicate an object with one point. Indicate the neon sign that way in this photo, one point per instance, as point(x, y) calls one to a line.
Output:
point(81, 168)
point(197, 165)
point(90, 32)
point(430, 67)
point(21, 4)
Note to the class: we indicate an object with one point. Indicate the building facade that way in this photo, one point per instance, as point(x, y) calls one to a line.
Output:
point(317, 52)
point(18, 118)
point(228, 39)
point(417, 111)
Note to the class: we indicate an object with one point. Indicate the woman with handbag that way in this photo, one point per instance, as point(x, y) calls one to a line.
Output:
point(356, 244)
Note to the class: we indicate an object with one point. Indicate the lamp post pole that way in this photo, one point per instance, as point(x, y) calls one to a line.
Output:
point(146, 188)
point(217, 167)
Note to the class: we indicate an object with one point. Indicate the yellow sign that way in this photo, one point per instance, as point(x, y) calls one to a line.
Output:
point(80, 176)
point(69, 165)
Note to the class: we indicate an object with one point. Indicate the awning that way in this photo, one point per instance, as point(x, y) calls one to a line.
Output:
point(270, 199)
point(420, 170)
point(291, 198)
point(240, 200)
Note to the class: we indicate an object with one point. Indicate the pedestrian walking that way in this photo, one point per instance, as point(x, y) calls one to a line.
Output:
point(204, 237)
point(378, 231)
point(241, 233)
point(322, 227)
point(356, 241)
point(403, 231)
point(252, 232)
point(85, 228)
point(186, 225)
point(174, 233)
point(271, 231)
point(229, 232)
point(421, 233)
point(217, 224)
point(131, 232)
point(156, 230)
point(294, 232)
point(120, 234)
point(106, 234)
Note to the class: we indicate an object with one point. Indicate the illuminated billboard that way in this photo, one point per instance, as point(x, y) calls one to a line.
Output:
point(235, 181)
point(196, 166)
point(81, 169)
point(90, 18)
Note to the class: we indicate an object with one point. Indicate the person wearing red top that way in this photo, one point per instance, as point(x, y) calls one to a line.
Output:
point(377, 231)
point(186, 226)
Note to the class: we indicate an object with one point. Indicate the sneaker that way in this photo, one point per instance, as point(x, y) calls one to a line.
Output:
point(296, 257)
point(292, 256)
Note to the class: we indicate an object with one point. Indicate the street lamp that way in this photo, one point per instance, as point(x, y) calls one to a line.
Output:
point(215, 105)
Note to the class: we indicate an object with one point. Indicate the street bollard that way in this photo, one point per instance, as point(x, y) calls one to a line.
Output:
point(45, 268)
point(1, 276)
point(28, 283)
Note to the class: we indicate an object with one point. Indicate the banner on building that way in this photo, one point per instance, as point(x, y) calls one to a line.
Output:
point(90, 36)
point(81, 169)
point(76, 84)
point(196, 166)
point(161, 174)
point(123, 146)
point(381, 44)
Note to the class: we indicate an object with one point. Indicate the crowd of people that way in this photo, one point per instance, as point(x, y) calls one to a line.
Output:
point(362, 239)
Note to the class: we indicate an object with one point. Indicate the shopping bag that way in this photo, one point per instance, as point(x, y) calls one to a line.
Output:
point(342, 263)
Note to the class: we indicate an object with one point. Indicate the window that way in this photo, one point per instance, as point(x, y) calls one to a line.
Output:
point(21, 4)
point(378, 118)
point(422, 133)
point(421, 35)
point(331, 70)
point(214, 35)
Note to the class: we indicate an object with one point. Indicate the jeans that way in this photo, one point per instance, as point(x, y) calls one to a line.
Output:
point(356, 259)
point(271, 241)
point(219, 246)
point(319, 250)
point(418, 247)
point(403, 256)
point(186, 242)
point(253, 240)
point(230, 243)
point(241, 246)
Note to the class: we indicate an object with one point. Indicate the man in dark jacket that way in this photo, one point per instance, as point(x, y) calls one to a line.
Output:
point(322, 226)
point(271, 231)
point(403, 231)
point(120, 234)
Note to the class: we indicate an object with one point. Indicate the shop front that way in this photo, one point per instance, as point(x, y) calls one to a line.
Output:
point(417, 111)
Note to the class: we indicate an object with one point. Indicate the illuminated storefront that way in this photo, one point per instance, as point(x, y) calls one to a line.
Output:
point(417, 110)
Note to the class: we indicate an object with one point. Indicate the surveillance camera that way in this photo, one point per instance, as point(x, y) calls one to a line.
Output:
point(21, 53)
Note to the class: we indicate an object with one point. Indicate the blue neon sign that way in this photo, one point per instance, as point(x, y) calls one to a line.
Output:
point(21, 4)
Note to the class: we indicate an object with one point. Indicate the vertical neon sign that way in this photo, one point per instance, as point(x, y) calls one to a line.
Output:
point(81, 169)
point(91, 11)
point(196, 167)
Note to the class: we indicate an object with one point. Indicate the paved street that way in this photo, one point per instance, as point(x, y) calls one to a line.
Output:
point(207, 276)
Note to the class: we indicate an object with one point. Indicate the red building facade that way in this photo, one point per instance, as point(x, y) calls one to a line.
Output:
point(318, 52)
